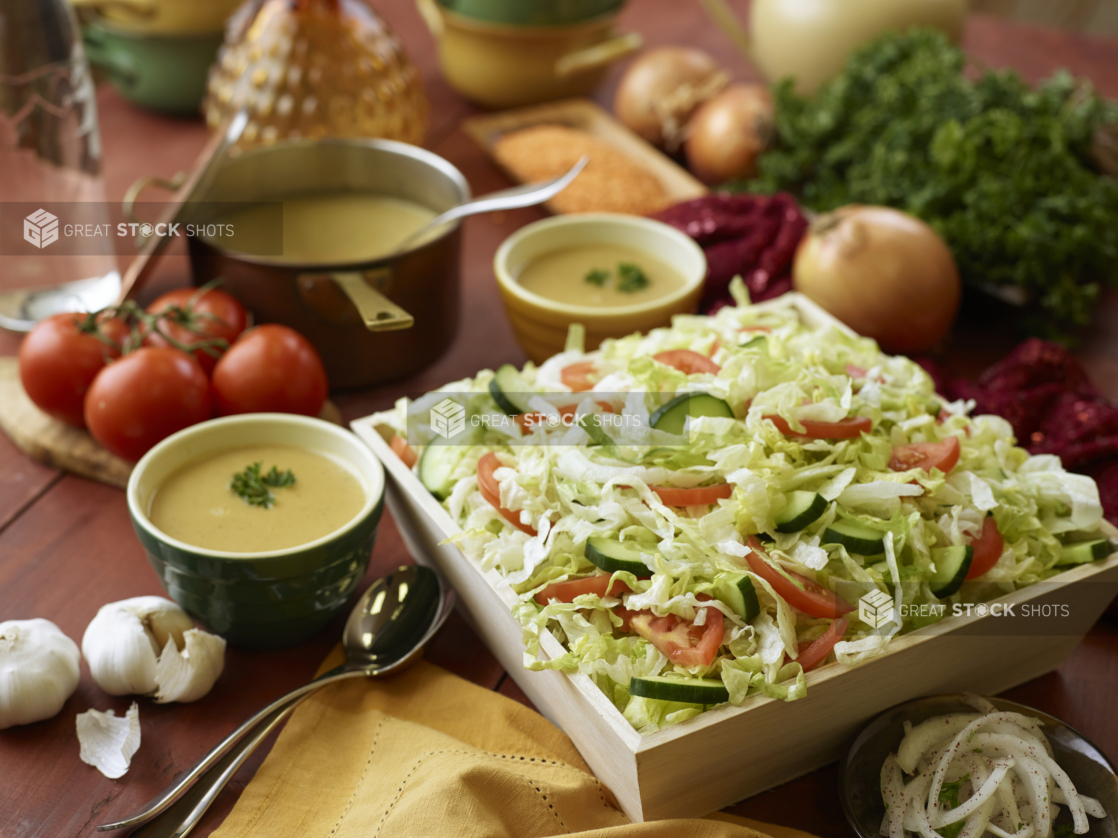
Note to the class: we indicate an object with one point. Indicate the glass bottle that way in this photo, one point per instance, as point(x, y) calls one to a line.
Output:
point(50, 169)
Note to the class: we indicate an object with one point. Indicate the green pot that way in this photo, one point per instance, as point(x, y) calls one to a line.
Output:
point(165, 73)
point(260, 600)
point(532, 12)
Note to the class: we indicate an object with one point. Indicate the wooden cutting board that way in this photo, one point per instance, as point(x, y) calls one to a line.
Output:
point(57, 444)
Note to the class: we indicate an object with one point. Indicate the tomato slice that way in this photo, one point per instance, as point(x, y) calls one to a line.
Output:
point(579, 377)
point(699, 496)
point(527, 420)
point(851, 427)
point(567, 590)
point(687, 361)
point(491, 490)
point(766, 329)
point(988, 548)
point(926, 455)
point(404, 451)
point(806, 596)
point(682, 641)
point(814, 653)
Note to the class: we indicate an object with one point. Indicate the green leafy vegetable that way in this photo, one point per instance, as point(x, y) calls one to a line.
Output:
point(630, 278)
point(254, 488)
point(1001, 170)
point(597, 276)
point(949, 797)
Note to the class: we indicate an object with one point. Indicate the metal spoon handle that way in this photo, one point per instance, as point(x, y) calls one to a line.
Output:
point(516, 197)
point(181, 818)
point(174, 792)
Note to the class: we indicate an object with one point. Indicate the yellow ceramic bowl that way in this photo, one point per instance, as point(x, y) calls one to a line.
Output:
point(540, 324)
point(164, 17)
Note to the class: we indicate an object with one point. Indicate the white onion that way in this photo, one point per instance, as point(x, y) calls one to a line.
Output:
point(885, 274)
point(728, 132)
point(662, 88)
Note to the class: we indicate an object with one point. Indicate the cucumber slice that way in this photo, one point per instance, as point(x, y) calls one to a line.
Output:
point(855, 538)
point(612, 556)
point(510, 391)
point(952, 564)
point(596, 432)
point(802, 509)
point(438, 462)
point(738, 593)
point(673, 416)
point(1082, 552)
point(686, 690)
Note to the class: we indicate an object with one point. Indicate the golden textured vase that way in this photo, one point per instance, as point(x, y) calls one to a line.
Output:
point(313, 69)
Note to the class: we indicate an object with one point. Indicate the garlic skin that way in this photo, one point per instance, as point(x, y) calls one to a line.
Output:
point(38, 671)
point(108, 741)
point(132, 648)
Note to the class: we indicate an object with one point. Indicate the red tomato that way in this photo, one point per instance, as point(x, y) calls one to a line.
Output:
point(61, 356)
point(579, 377)
point(814, 653)
point(491, 490)
point(270, 369)
point(803, 594)
point(849, 428)
point(687, 361)
point(191, 317)
point(926, 455)
point(681, 640)
point(567, 591)
point(144, 398)
point(755, 329)
point(404, 451)
point(714, 347)
point(700, 496)
point(988, 548)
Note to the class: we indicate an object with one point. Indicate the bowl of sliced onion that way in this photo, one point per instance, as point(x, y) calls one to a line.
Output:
point(965, 766)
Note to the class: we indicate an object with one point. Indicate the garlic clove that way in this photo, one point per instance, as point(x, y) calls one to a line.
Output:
point(38, 671)
point(122, 642)
point(108, 741)
point(190, 674)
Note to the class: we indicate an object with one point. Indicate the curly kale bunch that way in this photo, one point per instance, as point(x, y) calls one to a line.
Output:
point(1001, 170)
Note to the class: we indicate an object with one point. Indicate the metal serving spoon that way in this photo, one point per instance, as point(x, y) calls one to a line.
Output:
point(385, 631)
point(518, 197)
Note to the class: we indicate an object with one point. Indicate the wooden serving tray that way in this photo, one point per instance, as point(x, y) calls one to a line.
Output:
point(585, 115)
point(63, 446)
point(730, 753)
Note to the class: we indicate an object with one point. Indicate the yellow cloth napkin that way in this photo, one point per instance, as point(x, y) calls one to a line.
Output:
point(425, 753)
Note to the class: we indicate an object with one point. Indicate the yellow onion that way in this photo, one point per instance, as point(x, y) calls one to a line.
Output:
point(660, 90)
point(882, 272)
point(727, 133)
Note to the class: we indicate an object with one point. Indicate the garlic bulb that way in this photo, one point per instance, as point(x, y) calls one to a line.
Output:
point(38, 671)
point(108, 741)
point(133, 647)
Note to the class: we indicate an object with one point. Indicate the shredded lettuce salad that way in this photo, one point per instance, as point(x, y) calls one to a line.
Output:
point(567, 488)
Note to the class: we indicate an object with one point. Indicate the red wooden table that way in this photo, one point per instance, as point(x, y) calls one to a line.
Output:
point(66, 545)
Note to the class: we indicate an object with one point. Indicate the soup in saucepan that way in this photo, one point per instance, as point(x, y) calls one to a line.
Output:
point(604, 275)
point(336, 228)
point(257, 498)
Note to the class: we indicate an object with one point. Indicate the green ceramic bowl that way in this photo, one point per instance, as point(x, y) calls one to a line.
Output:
point(533, 13)
point(260, 600)
point(165, 73)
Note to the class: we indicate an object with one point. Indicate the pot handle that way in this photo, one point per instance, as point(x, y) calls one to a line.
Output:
point(128, 205)
point(724, 17)
point(598, 55)
point(378, 312)
point(430, 14)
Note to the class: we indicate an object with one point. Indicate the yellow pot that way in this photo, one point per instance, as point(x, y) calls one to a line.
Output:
point(163, 17)
point(541, 325)
point(500, 65)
